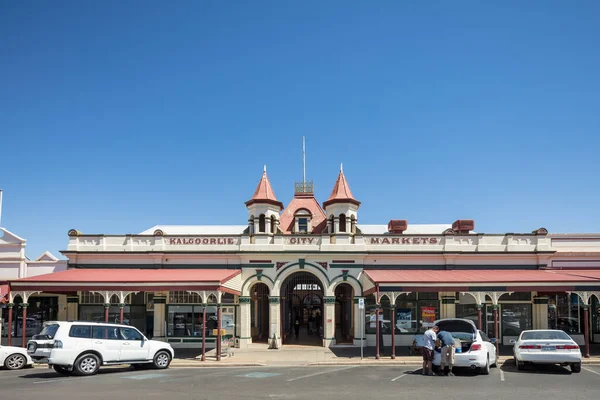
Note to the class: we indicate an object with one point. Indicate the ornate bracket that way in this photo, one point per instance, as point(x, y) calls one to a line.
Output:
point(586, 297)
point(24, 295)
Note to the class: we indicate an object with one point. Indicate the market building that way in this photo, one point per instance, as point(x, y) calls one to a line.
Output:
point(315, 264)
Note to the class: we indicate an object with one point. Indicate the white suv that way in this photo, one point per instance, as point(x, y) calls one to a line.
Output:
point(81, 347)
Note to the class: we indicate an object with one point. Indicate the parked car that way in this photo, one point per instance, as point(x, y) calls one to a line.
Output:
point(14, 357)
point(546, 346)
point(82, 347)
point(476, 350)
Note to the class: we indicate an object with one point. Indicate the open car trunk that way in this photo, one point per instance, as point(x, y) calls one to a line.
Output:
point(464, 333)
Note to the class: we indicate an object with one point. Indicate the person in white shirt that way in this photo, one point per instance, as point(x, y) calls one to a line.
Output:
point(429, 338)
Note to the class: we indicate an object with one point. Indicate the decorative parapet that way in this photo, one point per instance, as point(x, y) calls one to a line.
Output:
point(471, 243)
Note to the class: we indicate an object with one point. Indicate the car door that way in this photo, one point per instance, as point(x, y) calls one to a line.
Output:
point(105, 340)
point(491, 347)
point(134, 347)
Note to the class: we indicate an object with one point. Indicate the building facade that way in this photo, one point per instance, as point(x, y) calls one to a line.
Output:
point(313, 265)
point(14, 264)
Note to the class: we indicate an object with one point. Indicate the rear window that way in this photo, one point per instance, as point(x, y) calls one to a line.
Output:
point(545, 335)
point(81, 331)
point(50, 330)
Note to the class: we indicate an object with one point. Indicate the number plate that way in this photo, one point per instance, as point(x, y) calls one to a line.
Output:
point(548, 348)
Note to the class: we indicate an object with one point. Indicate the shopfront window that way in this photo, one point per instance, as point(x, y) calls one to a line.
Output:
point(515, 319)
point(186, 320)
point(565, 313)
point(414, 312)
point(134, 311)
point(40, 310)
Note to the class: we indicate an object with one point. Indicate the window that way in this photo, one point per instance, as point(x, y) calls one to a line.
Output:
point(80, 331)
point(130, 334)
point(261, 223)
point(414, 312)
point(565, 313)
point(342, 223)
point(273, 224)
point(106, 332)
point(516, 318)
point(303, 225)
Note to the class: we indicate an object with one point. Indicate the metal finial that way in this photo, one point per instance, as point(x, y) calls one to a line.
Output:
point(265, 168)
point(341, 167)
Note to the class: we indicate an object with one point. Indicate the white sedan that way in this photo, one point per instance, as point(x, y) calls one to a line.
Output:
point(14, 357)
point(473, 348)
point(546, 347)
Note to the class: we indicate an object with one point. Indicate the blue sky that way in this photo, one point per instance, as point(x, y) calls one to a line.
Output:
point(119, 115)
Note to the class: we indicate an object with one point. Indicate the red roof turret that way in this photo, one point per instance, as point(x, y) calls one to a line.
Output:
point(341, 192)
point(264, 193)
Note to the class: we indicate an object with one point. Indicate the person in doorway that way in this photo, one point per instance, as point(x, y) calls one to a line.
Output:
point(297, 327)
point(318, 323)
point(429, 338)
point(447, 352)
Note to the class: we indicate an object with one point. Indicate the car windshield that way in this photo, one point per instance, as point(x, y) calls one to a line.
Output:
point(49, 330)
point(545, 335)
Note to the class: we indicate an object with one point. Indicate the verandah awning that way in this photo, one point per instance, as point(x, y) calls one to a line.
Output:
point(482, 280)
point(226, 280)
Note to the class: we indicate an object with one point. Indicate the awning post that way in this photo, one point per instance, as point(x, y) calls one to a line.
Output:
point(219, 332)
point(10, 323)
point(586, 332)
point(203, 358)
point(24, 324)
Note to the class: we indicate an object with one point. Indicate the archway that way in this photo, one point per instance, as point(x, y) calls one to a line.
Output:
point(302, 302)
point(344, 305)
point(259, 313)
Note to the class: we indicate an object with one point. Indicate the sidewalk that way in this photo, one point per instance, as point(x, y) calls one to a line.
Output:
point(290, 355)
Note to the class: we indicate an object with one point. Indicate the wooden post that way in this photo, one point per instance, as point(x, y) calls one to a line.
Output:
point(377, 333)
point(24, 329)
point(106, 307)
point(204, 335)
point(586, 332)
point(479, 317)
point(218, 332)
point(393, 334)
point(496, 328)
point(121, 306)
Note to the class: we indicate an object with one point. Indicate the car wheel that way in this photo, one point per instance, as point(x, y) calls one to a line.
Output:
point(162, 359)
point(576, 368)
point(15, 361)
point(61, 370)
point(486, 370)
point(87, 364)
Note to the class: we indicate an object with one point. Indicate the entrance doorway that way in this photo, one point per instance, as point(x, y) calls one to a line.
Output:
point(302, 310)
point(259, 313)
point(344, 327)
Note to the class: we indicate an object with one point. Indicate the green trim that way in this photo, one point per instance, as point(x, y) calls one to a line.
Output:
point(274, 300)
point(348, 276)
point(73, 299)
point(449, 300)
point(318, 268)
point(106, 305)
point(540, 300)
point(257, 265)
point(328, 299)
point(243, 338)
point(10, 305)
point(256, 276)
point(356, 299)
point(495, 307)
point(329, 338)
point(346, 265)
point(586, 306)
point(160, 300)
point(244, 299)
point(24, 305)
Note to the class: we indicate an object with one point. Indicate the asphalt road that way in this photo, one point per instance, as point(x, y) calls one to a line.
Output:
point(319, 382)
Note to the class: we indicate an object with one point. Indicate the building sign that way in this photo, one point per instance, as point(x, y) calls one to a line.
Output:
point(303, 240)
point(403, 240)
point(201, 241)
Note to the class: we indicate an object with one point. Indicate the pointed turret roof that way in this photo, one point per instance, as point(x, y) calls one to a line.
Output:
point(264, 193)
point(341, 192)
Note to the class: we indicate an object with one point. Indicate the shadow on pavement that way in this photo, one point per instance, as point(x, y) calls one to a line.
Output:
point(51, 374)
point(544, 369)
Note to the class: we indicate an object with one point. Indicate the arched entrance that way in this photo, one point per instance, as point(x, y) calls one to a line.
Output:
point(302, 300)
point(344, 305)
point(259, 313)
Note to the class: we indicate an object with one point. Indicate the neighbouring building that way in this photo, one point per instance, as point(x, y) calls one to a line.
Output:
point(14, 264)
point(315, 263)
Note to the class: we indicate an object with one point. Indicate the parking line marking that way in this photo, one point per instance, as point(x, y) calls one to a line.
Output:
point(321, 373)
point(591, 370)
point(502, 375)
point(398, 377)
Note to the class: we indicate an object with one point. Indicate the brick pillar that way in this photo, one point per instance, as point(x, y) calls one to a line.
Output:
point(72, 308)
point(244, 321)
point(328, 320)
point(159, 317)
point(275, 320)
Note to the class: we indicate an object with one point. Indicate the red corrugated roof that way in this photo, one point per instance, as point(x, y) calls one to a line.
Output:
point(587, 273)
point(3, 290)
point(402, 277)
point(135, 276)
point(303, 201)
